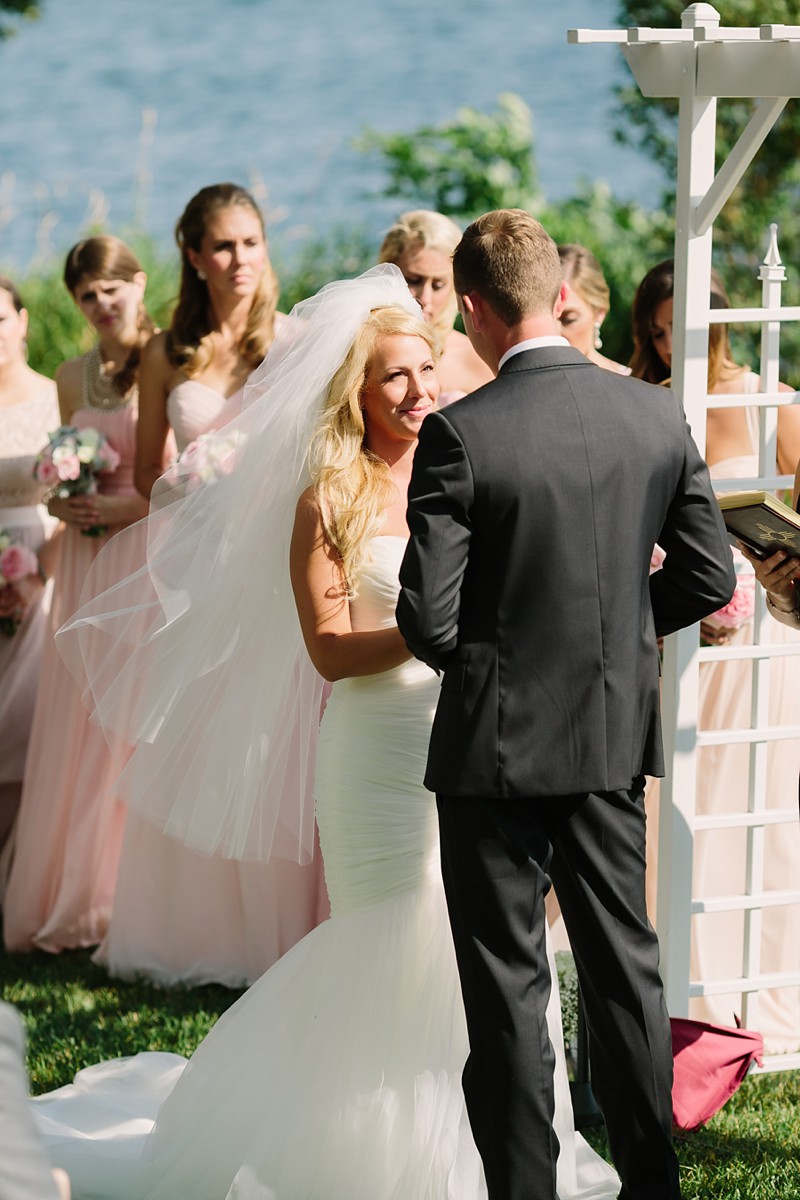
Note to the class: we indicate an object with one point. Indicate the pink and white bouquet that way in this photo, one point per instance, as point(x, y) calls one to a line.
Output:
point(71, 462)
point(16, 562)
point(210, 457)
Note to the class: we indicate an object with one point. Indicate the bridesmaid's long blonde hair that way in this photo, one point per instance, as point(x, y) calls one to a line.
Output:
point(351, 484)
point(419, 230)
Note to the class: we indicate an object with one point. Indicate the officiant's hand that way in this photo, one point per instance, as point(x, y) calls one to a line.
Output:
point(776, 574)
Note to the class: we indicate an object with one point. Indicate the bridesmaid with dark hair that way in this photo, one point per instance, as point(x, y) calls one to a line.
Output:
point(228, 921)
point(720, 855)
point(68, 832)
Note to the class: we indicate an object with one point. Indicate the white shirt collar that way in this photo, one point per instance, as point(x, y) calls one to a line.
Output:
point(532, 344)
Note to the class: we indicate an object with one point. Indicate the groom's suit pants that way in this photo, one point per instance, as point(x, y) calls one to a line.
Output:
point(498, 859)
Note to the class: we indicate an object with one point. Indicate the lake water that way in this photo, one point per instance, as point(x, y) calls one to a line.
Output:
point(119, 110)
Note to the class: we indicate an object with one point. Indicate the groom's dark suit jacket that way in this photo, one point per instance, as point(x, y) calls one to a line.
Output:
point(534, 507)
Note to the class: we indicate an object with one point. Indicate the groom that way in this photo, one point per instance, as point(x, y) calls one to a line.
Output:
point(534, 507)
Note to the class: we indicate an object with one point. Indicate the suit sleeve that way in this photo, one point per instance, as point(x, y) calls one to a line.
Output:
point(698, 576)
point(439, 503)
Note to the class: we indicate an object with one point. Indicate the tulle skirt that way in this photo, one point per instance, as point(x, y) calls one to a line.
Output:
point(337, 1076)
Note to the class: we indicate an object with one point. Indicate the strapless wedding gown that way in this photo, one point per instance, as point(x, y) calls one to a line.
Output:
point(337, 1076)
point(181, 917)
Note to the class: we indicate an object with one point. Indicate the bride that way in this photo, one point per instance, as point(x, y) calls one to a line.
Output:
point(337, 1076)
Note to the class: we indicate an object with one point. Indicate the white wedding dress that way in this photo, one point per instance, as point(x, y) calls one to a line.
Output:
point(337, 1076)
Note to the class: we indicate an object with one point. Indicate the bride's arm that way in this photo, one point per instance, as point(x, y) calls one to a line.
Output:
point(336, 650)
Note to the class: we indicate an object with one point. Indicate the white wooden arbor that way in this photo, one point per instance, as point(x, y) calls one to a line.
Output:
point(699, 63)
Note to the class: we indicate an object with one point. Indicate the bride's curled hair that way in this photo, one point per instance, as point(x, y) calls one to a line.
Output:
point(352, 485)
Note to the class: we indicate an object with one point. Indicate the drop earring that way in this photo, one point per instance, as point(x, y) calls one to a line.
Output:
point(201, 275)
point(598, 341)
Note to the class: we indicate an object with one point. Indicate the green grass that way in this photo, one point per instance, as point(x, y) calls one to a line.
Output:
point(749, 1151)
point(76, 1016)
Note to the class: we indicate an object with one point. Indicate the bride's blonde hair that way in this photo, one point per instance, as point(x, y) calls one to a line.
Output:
point(351, 484)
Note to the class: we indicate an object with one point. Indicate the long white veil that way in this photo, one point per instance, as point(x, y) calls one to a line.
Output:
point(196, 660)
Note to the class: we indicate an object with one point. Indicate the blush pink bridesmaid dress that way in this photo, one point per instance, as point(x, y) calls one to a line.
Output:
point(68, 834)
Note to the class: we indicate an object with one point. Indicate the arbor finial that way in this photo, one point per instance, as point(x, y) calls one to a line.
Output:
point(773, 258)
point(698, 16)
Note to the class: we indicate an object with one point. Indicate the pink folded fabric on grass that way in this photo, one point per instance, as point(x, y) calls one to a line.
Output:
point(710, 1063)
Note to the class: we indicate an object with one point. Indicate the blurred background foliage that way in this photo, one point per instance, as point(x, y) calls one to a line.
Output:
point(18, 9)
point(770, 189)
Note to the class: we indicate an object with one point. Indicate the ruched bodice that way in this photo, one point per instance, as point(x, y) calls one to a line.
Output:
point(194, 408)
point(379, 840)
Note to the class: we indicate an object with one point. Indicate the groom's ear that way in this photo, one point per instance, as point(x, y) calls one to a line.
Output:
point(561, 301)
point(472, 307)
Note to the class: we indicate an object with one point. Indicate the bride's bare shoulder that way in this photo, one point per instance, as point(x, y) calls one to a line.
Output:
point(309, 525)
point(307, 511)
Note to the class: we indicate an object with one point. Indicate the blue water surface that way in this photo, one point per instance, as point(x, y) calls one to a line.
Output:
point(118, 110)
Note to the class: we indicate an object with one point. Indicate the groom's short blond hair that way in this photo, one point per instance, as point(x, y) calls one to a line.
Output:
point(512, 262)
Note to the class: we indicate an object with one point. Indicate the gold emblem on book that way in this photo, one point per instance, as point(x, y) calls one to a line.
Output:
point(785, 536)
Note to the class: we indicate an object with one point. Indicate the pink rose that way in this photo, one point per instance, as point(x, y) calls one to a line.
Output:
point(45, 472)
point(740, 607)
point(69, 467)
point(16, 562)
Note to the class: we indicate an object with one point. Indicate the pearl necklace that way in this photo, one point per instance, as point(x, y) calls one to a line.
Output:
point(99, 390)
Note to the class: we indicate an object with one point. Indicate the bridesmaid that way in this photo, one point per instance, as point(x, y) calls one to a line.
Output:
point(193, 374)
point(421, 244)
point(28, 412)
point(587, 304)
point(723, 771)
point(70, 823)
point(228, 921)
